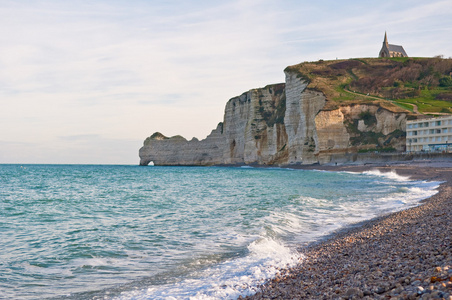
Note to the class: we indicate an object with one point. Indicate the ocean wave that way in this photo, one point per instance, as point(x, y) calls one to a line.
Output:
point(229, 279)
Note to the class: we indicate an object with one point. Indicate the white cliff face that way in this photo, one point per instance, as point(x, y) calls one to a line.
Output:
point(386, 121)
point(373, 118)
point(235, 126)
point(265, 134)
point(301, 108)
point(331, 131)
point(178, 151)
point(281, 124)
point(293, 120)
point(252, 133)
point(353, 127)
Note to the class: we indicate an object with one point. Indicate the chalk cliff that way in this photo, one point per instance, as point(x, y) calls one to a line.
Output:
point(283, 124)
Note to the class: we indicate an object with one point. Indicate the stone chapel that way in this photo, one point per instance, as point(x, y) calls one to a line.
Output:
point(389, 50)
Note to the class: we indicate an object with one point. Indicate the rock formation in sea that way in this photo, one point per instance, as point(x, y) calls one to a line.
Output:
point(284, 124)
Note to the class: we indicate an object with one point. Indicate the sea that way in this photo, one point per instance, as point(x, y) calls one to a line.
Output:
point(130, 232)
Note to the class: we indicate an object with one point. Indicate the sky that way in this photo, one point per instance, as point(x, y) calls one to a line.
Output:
point(85, 82)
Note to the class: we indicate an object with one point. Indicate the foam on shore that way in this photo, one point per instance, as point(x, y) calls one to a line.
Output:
point(227, 280)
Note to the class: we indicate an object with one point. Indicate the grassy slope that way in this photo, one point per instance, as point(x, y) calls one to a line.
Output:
point(397, 84)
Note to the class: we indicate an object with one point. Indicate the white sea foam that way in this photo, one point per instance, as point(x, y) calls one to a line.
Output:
point(229, 279)
point(323, 216)
point(35, 269)
point(409, 195)
point(391, 175)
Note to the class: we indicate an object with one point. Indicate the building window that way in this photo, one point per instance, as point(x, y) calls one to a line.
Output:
point(438, 123)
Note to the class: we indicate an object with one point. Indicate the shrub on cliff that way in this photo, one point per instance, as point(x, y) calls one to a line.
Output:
point(445, 81)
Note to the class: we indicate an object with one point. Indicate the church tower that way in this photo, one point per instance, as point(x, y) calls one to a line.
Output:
point(388, 50)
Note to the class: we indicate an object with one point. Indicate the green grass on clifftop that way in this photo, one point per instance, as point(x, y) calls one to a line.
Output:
point(421, 85)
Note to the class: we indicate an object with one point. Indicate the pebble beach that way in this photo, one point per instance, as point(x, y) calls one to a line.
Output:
point(404, 255)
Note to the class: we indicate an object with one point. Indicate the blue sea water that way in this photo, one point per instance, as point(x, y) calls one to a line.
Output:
point(129, 232)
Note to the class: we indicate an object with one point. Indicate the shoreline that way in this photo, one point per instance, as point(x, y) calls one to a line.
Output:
point(402, 255)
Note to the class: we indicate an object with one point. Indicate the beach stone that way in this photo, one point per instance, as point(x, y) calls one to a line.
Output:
point(416, 282)
point(354, 292)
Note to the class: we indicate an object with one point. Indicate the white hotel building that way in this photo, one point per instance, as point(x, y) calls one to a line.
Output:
point(433, 135)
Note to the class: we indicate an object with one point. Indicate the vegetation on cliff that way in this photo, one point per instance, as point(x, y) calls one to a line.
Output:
point(273, 111)
point(421, 85)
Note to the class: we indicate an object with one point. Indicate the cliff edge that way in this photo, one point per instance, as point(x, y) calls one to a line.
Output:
point(301, 121)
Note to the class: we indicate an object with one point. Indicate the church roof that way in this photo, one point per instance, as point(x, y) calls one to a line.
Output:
point(397, 48)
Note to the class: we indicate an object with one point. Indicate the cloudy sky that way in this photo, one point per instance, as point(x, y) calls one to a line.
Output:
point(88, 81)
